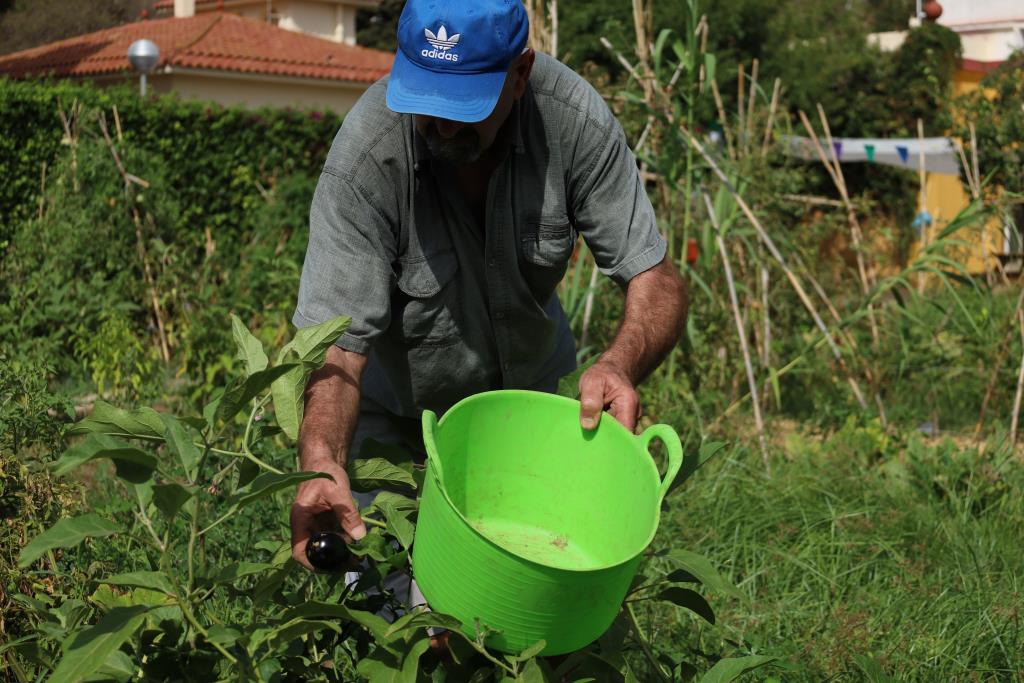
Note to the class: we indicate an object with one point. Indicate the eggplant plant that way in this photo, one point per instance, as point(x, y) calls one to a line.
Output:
point(205, 587)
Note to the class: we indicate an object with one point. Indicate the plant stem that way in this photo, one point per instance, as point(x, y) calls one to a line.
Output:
point(191, 618)
point(149, 527)
point(644, 644)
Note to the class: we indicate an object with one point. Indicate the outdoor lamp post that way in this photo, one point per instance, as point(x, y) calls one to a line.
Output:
point(143, 56)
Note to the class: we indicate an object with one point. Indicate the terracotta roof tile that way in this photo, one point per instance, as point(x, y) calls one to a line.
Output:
point(979, 66)
point(212, 40)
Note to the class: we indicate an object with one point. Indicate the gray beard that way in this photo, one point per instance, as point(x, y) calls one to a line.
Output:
point(463, 148)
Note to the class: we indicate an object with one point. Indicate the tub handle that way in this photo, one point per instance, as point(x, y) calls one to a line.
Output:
point(669, 437)
point(429, 428)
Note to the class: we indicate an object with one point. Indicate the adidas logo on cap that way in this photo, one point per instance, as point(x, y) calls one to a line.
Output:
point(442, 43)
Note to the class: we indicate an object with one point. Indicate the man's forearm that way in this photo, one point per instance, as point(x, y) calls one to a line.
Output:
point(331, 409)
point(656, 306)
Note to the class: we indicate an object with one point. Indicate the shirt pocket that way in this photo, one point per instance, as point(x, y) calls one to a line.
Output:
point(548, 243)
point(546, 247)
point(423, 305)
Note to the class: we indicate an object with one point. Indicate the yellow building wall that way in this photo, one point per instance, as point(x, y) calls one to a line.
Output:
point(946, 196)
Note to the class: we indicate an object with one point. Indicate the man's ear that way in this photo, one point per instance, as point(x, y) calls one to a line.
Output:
point(521, 71)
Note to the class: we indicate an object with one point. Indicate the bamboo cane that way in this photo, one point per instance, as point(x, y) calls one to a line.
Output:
point(776, 92)
point(1004, 349)
point(722, 118)
point(751, 99)
point(740, 332)
point(836, 174)
point(923, 203)
point(42, 189)
point(139, 241)
point(1020, 383)
point(588, 306)
point(794, 281)
point(741, 128)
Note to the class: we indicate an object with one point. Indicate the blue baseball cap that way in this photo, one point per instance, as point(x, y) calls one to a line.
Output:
point(453, 56)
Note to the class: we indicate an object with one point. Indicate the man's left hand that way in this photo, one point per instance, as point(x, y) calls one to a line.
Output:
point(604, 386)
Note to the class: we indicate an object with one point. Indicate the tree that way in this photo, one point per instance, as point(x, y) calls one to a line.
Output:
point(27, 23)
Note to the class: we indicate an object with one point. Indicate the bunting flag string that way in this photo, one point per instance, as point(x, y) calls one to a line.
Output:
point(940, 154)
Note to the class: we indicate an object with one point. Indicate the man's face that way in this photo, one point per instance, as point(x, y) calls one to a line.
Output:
point(463, 143)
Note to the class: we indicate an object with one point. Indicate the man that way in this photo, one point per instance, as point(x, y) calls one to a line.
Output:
point(445, 217)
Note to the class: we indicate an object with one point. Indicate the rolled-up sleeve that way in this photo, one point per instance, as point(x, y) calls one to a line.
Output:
point(610, 206)
point(347, 270)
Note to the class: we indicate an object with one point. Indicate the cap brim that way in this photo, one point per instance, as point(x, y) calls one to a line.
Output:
point(455, 96)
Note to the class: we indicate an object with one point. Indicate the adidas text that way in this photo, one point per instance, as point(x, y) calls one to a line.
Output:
point(436, 54)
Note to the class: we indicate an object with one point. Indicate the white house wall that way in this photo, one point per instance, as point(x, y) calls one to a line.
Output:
point(324, 20)
point(980, 11)
point(252, 92)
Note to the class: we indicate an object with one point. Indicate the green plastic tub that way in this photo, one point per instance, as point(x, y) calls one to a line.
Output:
point(531, 526)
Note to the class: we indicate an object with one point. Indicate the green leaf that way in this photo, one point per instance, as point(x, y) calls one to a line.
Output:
point(377, 626)
point(691, 600)
point(133, 464)
point(289, 631)
point(681, 576)
point(383, 666)
point(154, 581)
point(223, 635)
point(269, 483)
point(373, 545)
point(67, 533)
point(287, 392)
point(238, 570)
point(701, 568)
point(537, 671)
point(212, 407)
point(118, 665)
point(531, 651)
point(311, 343)
point(730, 669)
point(88, 650)
point(422, 619)
point(411, 663)
point(106, 419)
point(250, 350)
point(377, 473)
point(399, 525)
point(179, 441)
point(710, 62)
point(238, 395)
point(169, 498)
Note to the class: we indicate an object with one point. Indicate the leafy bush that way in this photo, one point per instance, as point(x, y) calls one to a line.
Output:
point(192, 592)
point(213, 157)
point(150, 279)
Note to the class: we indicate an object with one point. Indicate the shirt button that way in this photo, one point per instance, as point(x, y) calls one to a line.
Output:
point(493, 263)
point(500, 315)
point(507, 366)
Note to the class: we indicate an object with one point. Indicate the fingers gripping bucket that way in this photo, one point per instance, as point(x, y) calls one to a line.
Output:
point(531, 526)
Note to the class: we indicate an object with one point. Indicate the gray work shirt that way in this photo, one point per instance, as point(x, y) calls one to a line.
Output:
point(444, 307)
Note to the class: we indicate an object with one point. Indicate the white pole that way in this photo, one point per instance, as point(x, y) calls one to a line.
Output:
point(142, 84)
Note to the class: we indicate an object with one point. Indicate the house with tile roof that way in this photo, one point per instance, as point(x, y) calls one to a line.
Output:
point(299, 53)
point(990, 32)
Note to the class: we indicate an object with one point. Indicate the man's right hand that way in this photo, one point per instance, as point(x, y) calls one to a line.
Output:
point(318, 496)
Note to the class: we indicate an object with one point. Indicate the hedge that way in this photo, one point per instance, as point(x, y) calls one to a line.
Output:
point(215, 155)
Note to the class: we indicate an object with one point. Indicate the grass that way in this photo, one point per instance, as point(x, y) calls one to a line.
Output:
point(862, 549)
